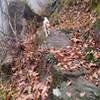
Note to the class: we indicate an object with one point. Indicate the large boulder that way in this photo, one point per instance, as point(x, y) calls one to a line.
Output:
point(40, 6)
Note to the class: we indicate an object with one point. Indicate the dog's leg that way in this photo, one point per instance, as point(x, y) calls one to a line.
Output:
point(46, 31)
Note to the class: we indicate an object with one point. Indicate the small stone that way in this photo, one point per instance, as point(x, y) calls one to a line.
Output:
point(56, 92)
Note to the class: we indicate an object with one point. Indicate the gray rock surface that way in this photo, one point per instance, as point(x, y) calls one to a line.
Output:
point(56, 39)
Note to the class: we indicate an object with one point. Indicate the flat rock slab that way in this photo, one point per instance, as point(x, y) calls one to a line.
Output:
point(56, 39)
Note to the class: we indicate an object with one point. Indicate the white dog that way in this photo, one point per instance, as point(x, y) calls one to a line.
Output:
point(46, 26)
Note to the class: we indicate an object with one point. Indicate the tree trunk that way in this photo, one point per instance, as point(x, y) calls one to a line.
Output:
point(3, 17)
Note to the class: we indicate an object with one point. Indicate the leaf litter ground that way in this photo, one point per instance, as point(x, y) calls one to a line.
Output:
point(32, 77)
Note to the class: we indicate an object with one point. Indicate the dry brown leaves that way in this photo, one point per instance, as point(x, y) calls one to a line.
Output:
point(26, 79)
point(68, 58)
point(74, 16)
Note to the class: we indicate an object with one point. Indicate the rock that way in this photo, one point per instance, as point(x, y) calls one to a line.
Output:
point(79, 88)
point(56, 39)
point(56, 92)
point(40, 7)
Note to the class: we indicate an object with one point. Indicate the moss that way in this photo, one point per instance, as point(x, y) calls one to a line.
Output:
point(94, 5)
point(97, 24)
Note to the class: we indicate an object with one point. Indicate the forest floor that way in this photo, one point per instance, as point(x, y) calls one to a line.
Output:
point(32, 75)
